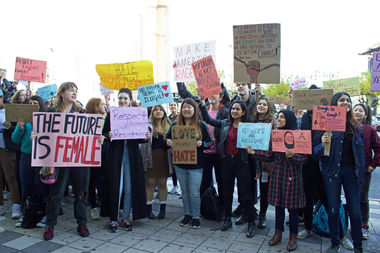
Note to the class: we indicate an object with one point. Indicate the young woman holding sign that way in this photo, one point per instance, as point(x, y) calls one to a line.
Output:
point(190, 175)
point(235, 163)
point(285, 185)
point(123, 163)
point(345, 166)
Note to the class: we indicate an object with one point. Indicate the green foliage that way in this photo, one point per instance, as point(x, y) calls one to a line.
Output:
point(367, 96)
point(278, 90)
point(192, 87)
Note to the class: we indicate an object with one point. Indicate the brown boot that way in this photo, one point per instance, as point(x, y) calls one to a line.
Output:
point(276, 238)
point(292, 244)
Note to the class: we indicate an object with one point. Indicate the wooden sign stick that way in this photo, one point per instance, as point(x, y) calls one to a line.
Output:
point(326, 146)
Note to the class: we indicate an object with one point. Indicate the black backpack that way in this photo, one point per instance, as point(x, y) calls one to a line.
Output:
point(210, 206)
point(34, 211)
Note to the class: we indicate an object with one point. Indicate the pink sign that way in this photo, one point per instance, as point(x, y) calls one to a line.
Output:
point(297, 141)
point(129, 122)
point(375, 73)
point(66, 139)
point(30, 70)
point(329, 118)
point(207, 77)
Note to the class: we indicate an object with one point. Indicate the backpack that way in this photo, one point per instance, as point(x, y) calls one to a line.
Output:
point(320, 220)
point(34, 211)
point(210, 206)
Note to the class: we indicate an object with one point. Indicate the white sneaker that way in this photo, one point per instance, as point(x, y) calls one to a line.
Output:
point(16, 211)
point(95, 213)
point(42, 222)
point(19, 222)
point(346, 243)
point(173, 190)
point(304, 234)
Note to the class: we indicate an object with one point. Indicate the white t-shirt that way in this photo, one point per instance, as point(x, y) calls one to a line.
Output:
point(2, 120)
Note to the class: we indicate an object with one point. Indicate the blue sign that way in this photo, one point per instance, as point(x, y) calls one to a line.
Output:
point(256, 135)
point(47, 91)
point(155, 94)
point(104, 91)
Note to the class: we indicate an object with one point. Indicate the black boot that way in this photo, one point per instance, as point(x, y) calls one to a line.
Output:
point(226, 224)
point(251, 231)
point(262, 220)
point(150, 213)
point(161, 215)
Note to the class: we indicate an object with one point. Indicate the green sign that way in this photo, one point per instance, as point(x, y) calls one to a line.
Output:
point(349, 85)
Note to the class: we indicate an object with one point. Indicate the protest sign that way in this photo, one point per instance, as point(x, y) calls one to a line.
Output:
point(257, 53)
point(66, 139)
point(14, 112)
point(125, 75)
point(280, 100)
point(206, 76)
point(105, 91)
point(329, 118)
point(129, 123)
point(30, 70)
point(155, 94)
point(298, 83)
point(349, 85)
point(47, 91)
point(375, 73)
point(297, 141)
point(186, 55)
point(306, 99)
point(184, 145)
point(256, 135)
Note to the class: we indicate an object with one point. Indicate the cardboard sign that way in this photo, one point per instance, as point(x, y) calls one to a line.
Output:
point(257, 50)
point(185, 55)
point(298, 83)
point(306, 99)
point(14, 112)
point(375, 73)
point(30, 70)
point(105, 91)
point(129, 123)
point(280, 100)
point(48, 91)
point(125, 75)
point(349, 85)
point(184, 145)
point(66, 139)
point(297, 141)
point(329, 118)
point(207, 77)
point(256, 135)
point(155, 94)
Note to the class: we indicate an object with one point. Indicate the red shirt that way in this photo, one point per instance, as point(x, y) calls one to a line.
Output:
point(231, 141)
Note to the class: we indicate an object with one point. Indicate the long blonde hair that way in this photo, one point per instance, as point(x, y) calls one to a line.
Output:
point(58, 101)
point(165, 122)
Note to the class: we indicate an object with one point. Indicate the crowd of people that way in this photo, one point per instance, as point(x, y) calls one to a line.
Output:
point(131, 169)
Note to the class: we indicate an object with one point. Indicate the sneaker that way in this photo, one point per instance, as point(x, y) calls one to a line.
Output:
point(179, 192)
point(16, 211)
point(304, 234)
point(19, 222)
point(333, 249)
point(346, 243)
point(195, 223)
point(82, 230)
point(127, 225)
point(95, 213)
point(113, 227)
point(49, 233)
point(42, 222)
point(185, 221)
point(173, 190)
point(365, 232)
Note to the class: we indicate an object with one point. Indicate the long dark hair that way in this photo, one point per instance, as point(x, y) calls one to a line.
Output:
point(268, 116)
point(351, 122)
point(40, 101)
point(194, 120)
point(243, 106)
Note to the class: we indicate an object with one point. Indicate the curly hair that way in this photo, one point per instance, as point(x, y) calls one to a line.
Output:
point(269, 116)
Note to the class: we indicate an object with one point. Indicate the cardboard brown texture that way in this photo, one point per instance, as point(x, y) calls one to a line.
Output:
point(280, 100)
point(184, 145)
point(14, 112)
point(306, 99)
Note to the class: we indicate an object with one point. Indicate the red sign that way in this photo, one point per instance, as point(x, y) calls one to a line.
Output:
point(329, 118)
point(297, 141)
point(206, 77)
point(30, 70)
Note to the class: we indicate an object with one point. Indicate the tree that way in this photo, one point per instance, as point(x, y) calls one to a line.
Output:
point(192, 87)
point(278, 90)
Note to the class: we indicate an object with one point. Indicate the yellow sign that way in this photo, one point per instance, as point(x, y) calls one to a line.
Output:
point(125, 75)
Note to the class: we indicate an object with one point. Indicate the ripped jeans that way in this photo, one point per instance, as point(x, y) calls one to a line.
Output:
point(80, 178)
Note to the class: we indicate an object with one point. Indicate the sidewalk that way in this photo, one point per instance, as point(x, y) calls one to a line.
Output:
point(163, 235)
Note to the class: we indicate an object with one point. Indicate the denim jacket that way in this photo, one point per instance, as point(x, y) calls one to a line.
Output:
point(330, 165)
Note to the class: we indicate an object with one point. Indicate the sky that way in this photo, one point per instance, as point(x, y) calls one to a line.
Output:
point(318, 38)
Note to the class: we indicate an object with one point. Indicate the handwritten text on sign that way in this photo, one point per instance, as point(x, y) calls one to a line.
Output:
point(256, 135)
point(306, 99)
point(298, 83)
point(207, 77)
point(298, 141)
point(129, 122)
point(125, 75)
point(186, 55)
point(349, 85)
point(184, 145)
point(66, 139)
point(30, 70)
point(155, 94)
point(329, 118)
point(375, 73)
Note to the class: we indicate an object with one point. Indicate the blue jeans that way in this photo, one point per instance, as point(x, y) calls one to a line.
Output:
point(346, 177)
point(190, 181)
point(125, 183)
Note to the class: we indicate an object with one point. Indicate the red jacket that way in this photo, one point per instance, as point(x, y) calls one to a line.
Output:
point(371, 142)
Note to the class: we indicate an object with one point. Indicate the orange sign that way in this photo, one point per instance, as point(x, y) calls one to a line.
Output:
point(298, 141)
point(329, 118)
point(206, 77)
